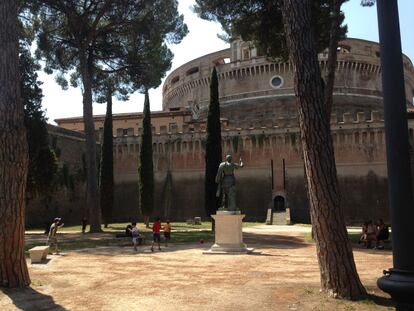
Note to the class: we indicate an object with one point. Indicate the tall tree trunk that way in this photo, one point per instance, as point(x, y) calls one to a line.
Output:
point(13, 155)
point(332, 54)
point(106, 180)
point(92, 176)
point(339, 277)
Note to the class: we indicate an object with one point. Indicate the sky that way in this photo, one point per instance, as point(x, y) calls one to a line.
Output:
point(202, 39)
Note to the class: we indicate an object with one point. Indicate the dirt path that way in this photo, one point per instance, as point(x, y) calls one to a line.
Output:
point(282, 274)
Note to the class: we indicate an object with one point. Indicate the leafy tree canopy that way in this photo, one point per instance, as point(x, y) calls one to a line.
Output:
point(111, 32)
point(261, 22)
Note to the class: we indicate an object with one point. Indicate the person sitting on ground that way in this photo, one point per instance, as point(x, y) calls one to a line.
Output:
point(363, 236)
point(156, 237)
point(52, 236)
point(383, 233)
point(167, 232)
point(369, 234)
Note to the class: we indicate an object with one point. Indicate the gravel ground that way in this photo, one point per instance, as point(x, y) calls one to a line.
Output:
point(282, 274)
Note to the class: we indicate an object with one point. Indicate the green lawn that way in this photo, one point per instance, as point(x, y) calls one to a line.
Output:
point(182, 233)
point(120, 227)
point(92, 242)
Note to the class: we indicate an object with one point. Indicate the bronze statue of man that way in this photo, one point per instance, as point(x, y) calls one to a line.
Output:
point(227, 183)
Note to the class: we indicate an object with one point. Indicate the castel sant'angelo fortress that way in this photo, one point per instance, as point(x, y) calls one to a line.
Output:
point(259, 124)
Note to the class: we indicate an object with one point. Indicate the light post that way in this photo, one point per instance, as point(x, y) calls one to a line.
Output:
point(399, 280)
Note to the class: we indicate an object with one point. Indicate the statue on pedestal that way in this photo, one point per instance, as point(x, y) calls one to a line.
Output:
point(227, 183)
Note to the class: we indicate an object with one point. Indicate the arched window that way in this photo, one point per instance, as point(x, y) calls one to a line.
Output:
point(192, 71)
point(175, 79)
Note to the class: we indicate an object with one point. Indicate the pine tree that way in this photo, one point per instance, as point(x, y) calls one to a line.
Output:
point(298, 30)
point(13, 154)
point(339, 276)
point(213, 148)
point(83, 39)
point(146, 167)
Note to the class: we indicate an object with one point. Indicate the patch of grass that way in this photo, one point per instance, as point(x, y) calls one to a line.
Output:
point(36, 283)
point(350, 308)
point(301, 225)
point(368, 302)
point(252, 224)
point(120, 227)
point(77, 244)
point(308, 237)
point(194, 236)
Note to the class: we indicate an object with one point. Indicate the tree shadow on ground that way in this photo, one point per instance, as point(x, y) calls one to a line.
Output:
point(274, 240)
point(388, 302)
point(28, 299)
point(380, 252)
point(43, 262)
point(257, 241)
point(255, 253)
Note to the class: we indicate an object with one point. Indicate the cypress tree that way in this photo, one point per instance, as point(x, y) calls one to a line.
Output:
point(146, 167)
point(213, 147)
point(106, 177)
point(43, 165)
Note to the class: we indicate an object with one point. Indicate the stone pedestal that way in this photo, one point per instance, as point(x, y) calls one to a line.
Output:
point(228, 234)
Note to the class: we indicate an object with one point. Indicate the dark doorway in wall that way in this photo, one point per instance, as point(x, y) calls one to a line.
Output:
point(279, 204)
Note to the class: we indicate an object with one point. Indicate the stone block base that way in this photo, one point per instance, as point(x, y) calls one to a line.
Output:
point(228, 234)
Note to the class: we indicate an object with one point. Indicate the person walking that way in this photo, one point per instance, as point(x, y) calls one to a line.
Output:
point(134, 234)
point(52, 240)
point(156, 235)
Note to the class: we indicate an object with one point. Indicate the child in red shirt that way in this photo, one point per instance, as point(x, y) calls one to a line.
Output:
point(156, 235)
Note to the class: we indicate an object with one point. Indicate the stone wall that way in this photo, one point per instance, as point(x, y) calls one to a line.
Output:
point(179, 167)
point(69, 198)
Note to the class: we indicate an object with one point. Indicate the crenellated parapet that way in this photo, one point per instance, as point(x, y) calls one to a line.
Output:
point(352, 134)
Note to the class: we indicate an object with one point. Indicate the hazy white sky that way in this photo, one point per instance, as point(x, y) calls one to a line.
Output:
point(202, 39)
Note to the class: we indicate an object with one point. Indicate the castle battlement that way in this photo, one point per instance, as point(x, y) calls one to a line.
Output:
point(285, 135)
point(280, 125)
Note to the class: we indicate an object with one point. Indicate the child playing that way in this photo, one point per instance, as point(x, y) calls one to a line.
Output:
point(167, 232)
point(156, 237)
point(134, 234)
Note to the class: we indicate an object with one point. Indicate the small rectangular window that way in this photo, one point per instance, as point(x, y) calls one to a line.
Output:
point(172, 127)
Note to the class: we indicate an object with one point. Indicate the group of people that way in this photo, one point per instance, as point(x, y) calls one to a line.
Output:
point(130, 230)
point(133, 232)
point(374, 234)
